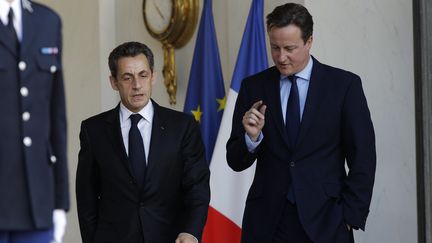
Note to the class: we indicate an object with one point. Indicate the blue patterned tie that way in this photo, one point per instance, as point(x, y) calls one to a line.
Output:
point(136, 150)
point(292, 123)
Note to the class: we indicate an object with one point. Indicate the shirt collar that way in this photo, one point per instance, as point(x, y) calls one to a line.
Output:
point(304, 74)
point(4, 10)
point(147, 112)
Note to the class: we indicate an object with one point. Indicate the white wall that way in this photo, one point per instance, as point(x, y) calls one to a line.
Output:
point(374, 38)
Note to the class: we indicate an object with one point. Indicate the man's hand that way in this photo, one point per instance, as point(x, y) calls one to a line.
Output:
point(254, 119)
point(59, 220)
point(186, 238)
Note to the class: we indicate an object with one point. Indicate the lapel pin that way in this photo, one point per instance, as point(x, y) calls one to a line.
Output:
point(27, 5)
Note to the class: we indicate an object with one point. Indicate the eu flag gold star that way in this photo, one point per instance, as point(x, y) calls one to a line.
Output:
point(222, 103)
point(197, 114)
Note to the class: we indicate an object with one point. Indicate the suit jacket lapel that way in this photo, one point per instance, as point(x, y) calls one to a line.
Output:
point(157, 136)
point(6, 39)
point(113, 132)
point(272, 91)
point(156, 147)
point(315, 91)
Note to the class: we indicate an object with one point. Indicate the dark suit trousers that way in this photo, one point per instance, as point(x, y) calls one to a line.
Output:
point(290, 230)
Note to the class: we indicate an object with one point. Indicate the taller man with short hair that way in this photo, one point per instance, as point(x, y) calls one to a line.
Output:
point(302, 121)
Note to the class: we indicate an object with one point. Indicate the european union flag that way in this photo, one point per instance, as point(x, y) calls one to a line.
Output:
point(205, 97)
point(252, 56)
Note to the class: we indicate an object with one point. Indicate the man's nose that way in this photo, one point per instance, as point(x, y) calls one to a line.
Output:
point(281, 57)
point(135, 83)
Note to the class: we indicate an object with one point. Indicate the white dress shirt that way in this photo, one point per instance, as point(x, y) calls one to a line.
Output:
point(17, 21)
point(144, 125)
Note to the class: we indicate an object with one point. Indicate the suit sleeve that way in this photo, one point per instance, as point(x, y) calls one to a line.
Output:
point(195, 182)
point(359, 147)
point(238, 156)
point(87, 188)
point(58, 135)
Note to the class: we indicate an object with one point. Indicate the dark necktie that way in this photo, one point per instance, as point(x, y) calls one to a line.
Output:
point(292, 118)
point(292, 123)
point(12, 31)
point(136, 150)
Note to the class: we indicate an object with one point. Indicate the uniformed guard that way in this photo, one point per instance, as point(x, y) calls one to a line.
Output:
point(34, 193)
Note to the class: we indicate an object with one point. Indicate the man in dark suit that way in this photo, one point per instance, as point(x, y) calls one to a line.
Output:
point(33, 166)
point(301, 120)
point(142, 174)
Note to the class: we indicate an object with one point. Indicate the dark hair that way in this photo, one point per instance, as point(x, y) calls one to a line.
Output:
point(129, 49)
point(291, 13)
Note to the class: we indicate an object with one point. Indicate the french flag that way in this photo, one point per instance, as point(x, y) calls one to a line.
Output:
point(228, 188)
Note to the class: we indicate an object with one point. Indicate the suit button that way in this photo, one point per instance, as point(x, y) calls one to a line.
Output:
point(53, 159)
point(292, 163)
point(53, 69)
point(24, 91)
point(27, 141)
point(26, 116)
point(22, 66)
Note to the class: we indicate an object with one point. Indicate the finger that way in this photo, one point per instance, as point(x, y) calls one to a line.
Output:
point(249, 116)
point(251, 122)
point(256, 105)
point(254, 117)
point(263, 109)
point(256, 114)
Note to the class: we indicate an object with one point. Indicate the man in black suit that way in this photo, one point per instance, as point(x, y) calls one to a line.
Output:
point(34, 193)
point(301, 120)
point(142, 174)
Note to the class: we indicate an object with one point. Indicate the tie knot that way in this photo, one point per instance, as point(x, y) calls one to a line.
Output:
point(135, 118)
point(292, 78)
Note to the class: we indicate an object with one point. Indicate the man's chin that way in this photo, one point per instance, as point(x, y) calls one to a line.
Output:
point(137, 106)
point(285, 71)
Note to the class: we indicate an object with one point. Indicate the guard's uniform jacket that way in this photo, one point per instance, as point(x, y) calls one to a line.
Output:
point(33, 166)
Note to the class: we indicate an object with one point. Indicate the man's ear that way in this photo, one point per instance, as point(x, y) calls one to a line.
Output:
point(113, 82)
point(154, 77)
point(309, 42)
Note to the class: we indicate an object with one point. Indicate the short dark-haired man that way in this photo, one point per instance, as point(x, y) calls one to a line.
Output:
point(142, 174)
point(301, 120)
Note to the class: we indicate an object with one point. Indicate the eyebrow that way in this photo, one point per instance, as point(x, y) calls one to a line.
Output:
point(285, 46)
point(131, 74)
point(144, 72)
